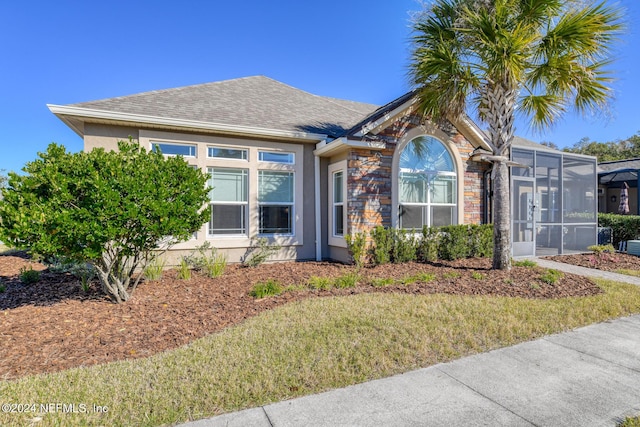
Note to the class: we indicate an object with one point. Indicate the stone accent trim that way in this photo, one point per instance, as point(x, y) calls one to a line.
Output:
point(369, 178)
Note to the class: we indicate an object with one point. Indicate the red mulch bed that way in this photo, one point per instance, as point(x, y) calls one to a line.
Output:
point(605, 261)
point(54, 325)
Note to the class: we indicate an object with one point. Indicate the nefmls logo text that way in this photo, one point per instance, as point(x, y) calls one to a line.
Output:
point(65, 408)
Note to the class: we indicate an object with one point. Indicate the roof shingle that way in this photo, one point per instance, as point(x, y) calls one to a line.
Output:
point(257, 102)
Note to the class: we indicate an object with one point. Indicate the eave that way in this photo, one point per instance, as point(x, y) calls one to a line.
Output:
point(328, 149)
point(75, 117)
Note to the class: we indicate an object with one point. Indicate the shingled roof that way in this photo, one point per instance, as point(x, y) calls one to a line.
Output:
point(256, 102)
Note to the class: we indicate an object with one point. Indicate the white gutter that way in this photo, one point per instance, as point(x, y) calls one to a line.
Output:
point(81, 112)
point(325, 148)
point(318, 215)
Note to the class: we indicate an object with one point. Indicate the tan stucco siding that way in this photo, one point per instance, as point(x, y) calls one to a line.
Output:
point(105, 136)
point(298, 246)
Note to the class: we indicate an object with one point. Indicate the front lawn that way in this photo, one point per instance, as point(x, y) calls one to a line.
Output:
point(305, 347)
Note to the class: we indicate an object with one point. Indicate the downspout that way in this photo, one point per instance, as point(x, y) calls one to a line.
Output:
point(318, 215)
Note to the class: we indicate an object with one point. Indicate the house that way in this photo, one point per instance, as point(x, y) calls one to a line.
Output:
point(306, 170)
point(612, 176)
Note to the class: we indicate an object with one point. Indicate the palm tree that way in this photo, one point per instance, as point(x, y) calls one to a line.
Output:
point(538, 57)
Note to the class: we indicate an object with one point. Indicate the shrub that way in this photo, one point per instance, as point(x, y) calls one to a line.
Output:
point(259, 252)
point(207, 260)
point(481, 240)
point(449, 242)
point(184, 272)
point(454, 242)
point(599, 249)
point(427, 246)
point(153, 271)
point(381, 245)
point(403, 246)
point(109, 208)
point(477, 275)
point(349, 280)
point(323, 283)
point(265, 289)
point(357, 244)
point(624, 227)
point(29, 276)
point(551, 276)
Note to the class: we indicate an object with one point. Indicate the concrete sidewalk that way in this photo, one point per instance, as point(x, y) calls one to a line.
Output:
point(583, 271)
point(586, 377)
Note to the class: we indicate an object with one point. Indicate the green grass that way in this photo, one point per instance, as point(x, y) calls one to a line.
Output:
point(322, 283)
point(307, 347)
point(628, 272)
point(154, 270)
point(525, 263)
point(630, 422)
point(265, 289)
point(382, 282)
point(420, 277)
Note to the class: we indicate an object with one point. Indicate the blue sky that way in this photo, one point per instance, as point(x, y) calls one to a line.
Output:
point(69, 51)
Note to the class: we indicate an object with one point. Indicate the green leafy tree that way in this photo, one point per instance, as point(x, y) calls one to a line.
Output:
point(112, 209)
point(611, 150)
point(541, 57)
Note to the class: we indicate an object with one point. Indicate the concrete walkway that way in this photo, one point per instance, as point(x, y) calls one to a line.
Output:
point(586, 377)
point(589, 272)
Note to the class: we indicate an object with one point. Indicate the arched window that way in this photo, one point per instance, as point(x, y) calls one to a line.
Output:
point(427, 185)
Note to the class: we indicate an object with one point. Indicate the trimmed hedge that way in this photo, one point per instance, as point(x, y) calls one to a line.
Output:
point(624, 227)
point(390, 245)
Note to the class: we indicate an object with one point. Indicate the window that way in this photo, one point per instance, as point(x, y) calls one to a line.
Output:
point(338, 204)
point(174, 149)
point(229, 201)
point(275, 202)
point(227, 153)
point(427, 185)
point(270, 156)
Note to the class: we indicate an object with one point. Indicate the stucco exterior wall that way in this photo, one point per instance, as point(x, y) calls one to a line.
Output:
point(106, 136)
point(300, 246)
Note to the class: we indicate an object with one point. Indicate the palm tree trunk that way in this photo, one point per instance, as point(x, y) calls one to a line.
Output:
point(500, 107)
point(501, 217)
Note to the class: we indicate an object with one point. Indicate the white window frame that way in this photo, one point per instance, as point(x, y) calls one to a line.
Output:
point(428, 204)
point(291, 155)
point(245, 204)
point(229, 159)
point(253, 146)
point(333, 239)
point(152, 145)
point(292, 204)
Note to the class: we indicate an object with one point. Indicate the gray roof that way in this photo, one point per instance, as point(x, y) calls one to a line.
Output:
point(258, 102)
point(619, 165)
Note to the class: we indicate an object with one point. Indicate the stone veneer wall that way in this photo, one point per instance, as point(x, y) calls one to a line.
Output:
point(369, 183)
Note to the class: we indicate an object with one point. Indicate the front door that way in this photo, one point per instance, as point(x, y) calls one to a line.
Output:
point(523, 215)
